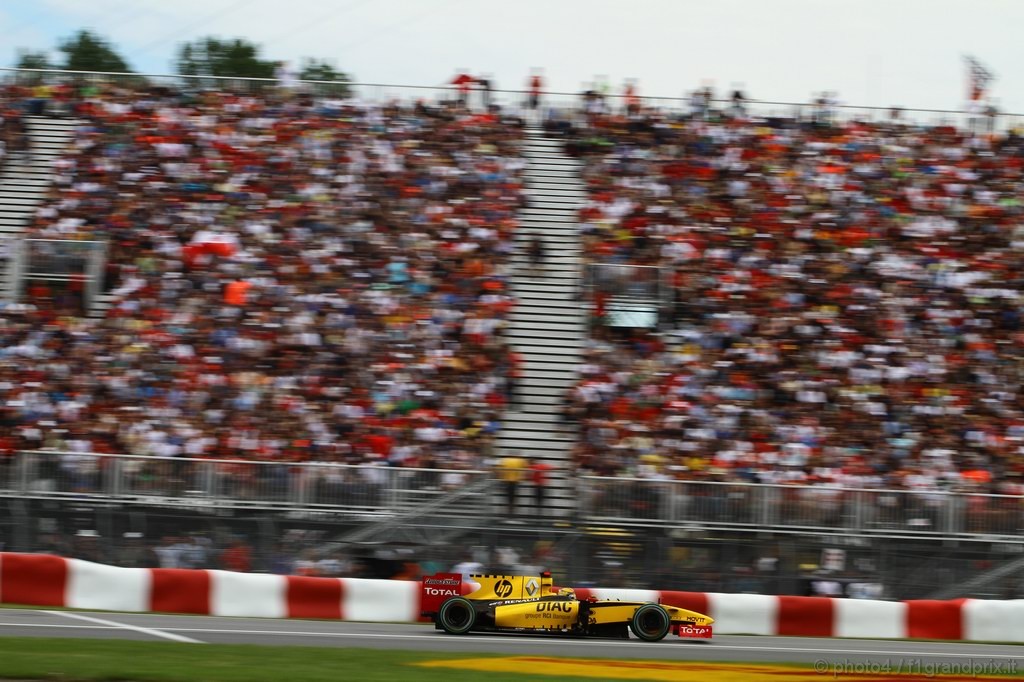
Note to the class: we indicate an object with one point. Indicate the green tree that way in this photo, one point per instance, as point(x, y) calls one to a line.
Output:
point(213, 56)
point(86, 51)
point(323, 70)
point(27, 59)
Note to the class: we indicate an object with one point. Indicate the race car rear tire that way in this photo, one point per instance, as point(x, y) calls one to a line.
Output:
point(650, 623)
point(456, 616)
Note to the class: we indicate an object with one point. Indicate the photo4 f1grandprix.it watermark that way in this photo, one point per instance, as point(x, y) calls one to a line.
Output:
point(968, 667)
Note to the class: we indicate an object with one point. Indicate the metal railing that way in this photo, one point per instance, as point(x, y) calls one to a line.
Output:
point(794, 508)
point(13, 265)
point(384, 491)
point(621, 280)
point(372, 490)
point(552, 102)
point(59, 260)
point(634, 295)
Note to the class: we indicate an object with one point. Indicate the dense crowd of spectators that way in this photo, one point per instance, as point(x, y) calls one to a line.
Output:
point(292, 278)
point(847, 301)
point(299, 278)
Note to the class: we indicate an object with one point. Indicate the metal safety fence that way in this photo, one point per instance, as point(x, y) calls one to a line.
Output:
point(818, 508)
point(59, 257)
point(633, 282)
point(139, 535)
point(375, 490)
point(78, 263)
point(385, 490)
point(628, 295)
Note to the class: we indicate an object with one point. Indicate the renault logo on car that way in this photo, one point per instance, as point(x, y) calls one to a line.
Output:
point(531, 587)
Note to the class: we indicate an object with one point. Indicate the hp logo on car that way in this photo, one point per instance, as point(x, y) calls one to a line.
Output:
point(503, 588)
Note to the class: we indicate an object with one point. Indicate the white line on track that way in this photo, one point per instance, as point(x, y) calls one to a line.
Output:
point(170, 633)
point(63, 627)
point(716, 646)
point(125, 626)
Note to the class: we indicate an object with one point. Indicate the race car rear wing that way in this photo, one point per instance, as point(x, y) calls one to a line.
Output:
point(435, 589)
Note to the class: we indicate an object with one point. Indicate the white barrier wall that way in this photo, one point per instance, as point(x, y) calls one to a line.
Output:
point(747, 614)
point(870, 618)
point(381, 600)
point(248, 594)
point(42, 580)
point(988, 620)
point(96, 586)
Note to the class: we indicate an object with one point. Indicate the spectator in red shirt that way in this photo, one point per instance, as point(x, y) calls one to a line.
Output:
point(539, 474)
point(535, 86)
point(463, 82)
point(238, 557)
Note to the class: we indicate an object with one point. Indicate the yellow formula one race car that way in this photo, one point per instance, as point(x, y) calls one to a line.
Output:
point(507, 603)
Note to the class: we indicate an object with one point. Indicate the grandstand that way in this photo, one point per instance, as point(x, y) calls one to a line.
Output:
point(845, 302)
point(320, 315)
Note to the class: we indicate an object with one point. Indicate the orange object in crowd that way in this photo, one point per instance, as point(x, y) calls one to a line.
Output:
point(236, 293)
point(977, 475)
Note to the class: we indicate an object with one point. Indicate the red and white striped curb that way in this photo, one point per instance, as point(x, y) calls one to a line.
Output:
point(44, 580)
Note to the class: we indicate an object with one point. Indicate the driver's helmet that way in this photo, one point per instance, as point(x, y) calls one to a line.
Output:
point(567, 592)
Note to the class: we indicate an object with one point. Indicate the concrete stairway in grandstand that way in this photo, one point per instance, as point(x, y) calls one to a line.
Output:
point(548, 323)
point(25, 180)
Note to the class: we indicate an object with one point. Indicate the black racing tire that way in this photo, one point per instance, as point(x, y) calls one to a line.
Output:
point(457, 616)
point(650, 623)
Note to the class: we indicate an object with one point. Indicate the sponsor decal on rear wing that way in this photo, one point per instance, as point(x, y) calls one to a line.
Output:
point(435, 589)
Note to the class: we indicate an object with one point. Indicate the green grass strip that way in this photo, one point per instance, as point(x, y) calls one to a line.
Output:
point(96, 660)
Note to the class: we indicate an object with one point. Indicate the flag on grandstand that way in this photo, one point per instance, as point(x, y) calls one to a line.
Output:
point(978, 78)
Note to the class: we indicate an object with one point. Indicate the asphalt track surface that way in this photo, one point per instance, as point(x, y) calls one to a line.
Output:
point(736, 648)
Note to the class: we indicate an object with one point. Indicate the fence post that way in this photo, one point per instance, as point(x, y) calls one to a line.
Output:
point(391, 495)
point(16, 270)
point(854, 520)
point(208, 479)
point(23, 464)
point(763, 514)
point(94, 273)
point(867, 508)
point(953, 512)
point(299, 483)
point(115, 472)
point(488, 494)
point(590, 492)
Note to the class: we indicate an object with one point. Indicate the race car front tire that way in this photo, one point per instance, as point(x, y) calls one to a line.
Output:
point(650, 623)
point(456, 616)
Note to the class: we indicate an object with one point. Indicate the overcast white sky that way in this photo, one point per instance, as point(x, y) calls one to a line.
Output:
point(872, 52)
